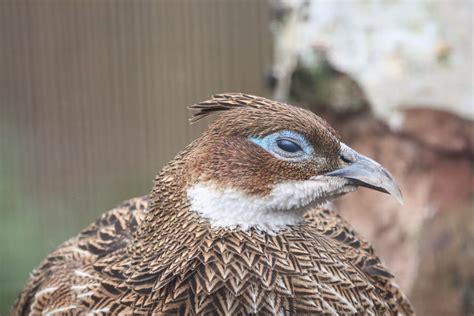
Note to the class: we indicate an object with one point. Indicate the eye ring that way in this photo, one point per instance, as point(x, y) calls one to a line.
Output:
point(288, 145)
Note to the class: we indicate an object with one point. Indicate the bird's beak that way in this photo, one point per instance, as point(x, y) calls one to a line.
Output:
point(365, 172)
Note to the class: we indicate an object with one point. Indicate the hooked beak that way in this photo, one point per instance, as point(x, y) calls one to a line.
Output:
point(365, 172)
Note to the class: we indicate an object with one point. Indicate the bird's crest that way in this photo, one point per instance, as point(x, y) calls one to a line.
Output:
point(228, 101)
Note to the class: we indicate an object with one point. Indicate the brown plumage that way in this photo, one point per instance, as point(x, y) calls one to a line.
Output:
point(160, 255)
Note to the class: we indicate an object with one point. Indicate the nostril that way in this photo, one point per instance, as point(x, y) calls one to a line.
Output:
point(345, 159)
point(347, 154)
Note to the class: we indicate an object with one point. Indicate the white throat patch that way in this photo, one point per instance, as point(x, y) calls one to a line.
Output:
point(284, 206)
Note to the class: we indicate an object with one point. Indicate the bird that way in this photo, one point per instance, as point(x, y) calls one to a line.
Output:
point(238, 223)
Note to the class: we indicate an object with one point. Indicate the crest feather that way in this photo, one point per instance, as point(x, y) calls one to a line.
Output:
point(228, 101)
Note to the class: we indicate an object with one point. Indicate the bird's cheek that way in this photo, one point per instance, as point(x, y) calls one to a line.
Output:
point(317, 166)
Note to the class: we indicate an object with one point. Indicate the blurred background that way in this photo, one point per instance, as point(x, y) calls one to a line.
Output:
point(93, 98)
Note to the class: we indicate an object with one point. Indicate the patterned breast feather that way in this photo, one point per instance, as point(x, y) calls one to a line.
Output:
point(323, 268)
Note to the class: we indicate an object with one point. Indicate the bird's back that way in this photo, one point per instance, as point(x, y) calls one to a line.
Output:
point(67, 278)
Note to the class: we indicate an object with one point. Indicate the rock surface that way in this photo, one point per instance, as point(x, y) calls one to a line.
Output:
point(401, 52)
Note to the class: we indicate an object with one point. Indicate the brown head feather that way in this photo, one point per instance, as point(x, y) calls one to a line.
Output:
point(223, 102)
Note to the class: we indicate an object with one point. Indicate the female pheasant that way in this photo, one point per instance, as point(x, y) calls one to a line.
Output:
point(235, 225)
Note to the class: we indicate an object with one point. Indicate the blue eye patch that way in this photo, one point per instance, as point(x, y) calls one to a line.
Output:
point(286, 145)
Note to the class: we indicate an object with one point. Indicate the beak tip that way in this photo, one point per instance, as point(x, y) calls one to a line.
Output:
point(395, 191)
point(399, 197)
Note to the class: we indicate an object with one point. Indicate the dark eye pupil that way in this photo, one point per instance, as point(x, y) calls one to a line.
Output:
point(288, 145)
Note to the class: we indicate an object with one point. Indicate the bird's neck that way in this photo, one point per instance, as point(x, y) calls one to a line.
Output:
point(168, 224)
point(173, 241)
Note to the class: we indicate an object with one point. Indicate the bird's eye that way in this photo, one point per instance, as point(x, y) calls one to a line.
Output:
point(288, 145)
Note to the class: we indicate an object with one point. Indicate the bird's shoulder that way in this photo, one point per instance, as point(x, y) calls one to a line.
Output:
point(359, 252)
point(67, 275)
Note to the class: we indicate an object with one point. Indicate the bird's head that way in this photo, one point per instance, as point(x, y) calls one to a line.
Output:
point(263, 163)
